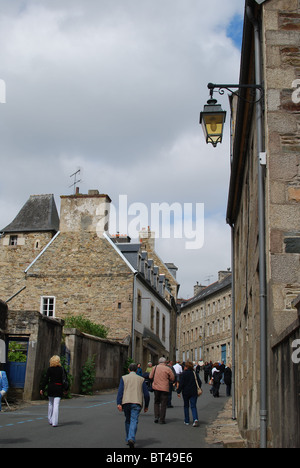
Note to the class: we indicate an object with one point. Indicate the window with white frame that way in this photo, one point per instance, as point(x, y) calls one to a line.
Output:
point(13, 240)
point(48, 306)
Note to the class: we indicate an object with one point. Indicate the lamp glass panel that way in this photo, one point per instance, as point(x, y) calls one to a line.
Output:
point(214, 124)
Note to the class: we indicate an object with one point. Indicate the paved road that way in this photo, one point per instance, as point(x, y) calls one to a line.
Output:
point(94, 422)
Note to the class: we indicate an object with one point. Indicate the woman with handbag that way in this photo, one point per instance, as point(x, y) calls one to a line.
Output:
point(55, 379)
point(190, 386)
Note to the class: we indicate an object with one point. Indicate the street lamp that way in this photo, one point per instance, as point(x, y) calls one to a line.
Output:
point(212, 118)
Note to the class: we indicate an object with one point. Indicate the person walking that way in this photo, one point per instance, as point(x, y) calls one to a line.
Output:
point(228, 379)
point(131, 393)
point(54, 379)
point(3, 386)
point(216, 380)
point(139, 370)
point(178, 371)
point(222, 370)
point(162, 375)
point(207, 369)
point(171, 385)
point(189, 389)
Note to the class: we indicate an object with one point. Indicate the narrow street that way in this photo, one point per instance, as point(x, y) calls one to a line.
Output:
point(94, 422)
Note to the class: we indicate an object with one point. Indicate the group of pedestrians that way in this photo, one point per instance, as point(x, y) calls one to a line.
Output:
point(161, 379)
point(217, 374)
point(133, 390)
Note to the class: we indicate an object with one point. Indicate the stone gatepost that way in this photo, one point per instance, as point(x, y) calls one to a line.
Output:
point(3, 322)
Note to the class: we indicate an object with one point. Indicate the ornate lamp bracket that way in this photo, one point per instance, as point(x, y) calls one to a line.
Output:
point(229, 87)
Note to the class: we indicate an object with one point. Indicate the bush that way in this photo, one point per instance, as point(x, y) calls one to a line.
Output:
point(88, 377)
point(17, 352)
point(127, 364)
point(86, 326)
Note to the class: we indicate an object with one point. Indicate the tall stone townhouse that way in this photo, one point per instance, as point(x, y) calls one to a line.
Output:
point(205, 323)
point(264, 214)
point(73, 266)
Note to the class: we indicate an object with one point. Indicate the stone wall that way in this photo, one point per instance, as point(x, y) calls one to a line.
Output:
point(85, 212)
point(110, 358)
point(14, 259)
point(44, 340)
point(282, 69)
point(280, 45)
point(3, 318)
point(45, 337)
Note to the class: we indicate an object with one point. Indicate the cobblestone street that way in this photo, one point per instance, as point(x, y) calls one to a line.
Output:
point(224, 430)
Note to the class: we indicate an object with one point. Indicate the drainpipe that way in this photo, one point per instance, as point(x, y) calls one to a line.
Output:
point(134, 306)
point(262, 251)
point(233, 323)
point(232, 287)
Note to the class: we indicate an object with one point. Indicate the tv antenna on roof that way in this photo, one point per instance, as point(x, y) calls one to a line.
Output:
point(208, 278)
point(76, 181)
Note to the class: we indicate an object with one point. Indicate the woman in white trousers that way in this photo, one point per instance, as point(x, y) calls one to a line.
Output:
point(54, 380)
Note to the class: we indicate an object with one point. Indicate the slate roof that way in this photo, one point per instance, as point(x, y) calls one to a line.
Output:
point(210, 290)
point(130, 251)
point(38, 214)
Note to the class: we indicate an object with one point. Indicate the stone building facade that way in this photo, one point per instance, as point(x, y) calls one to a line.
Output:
point(205, 323)
point(271, 241)
point(24, 239)
point(83, 271)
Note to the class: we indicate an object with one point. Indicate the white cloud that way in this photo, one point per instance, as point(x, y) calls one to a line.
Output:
point(116, 88)
point(200, 265)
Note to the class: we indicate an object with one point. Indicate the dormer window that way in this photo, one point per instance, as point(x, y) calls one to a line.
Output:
point(13, 240)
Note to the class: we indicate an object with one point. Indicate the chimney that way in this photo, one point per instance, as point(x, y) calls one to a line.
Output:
point(120, 238)
point(222, 274)
point(147, 239)
point(198, 288)
point(88, 213)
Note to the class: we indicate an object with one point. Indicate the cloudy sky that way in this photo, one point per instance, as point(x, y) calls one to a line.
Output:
point(114, 88)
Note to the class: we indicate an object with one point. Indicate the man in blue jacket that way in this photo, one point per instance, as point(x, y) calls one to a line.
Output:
point(132, 390)
point(3, 385)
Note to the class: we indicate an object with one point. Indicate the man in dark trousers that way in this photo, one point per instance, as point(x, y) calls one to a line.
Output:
point(161, 376)
point(132, 391)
